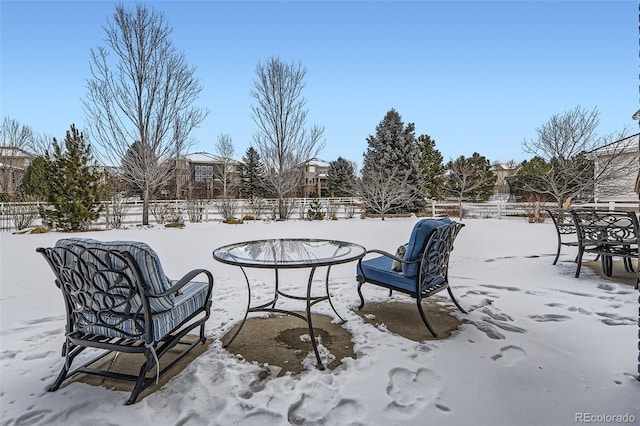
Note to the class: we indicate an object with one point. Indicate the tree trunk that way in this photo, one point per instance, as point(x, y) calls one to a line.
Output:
point(145, 205)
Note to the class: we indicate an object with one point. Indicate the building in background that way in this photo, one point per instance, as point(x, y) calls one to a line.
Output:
point(314, 180)
point(503, 171)
point(622, 188)
point(13, 164)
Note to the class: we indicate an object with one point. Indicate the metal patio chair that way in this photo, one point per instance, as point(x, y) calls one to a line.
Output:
point(565, 227)
point(607, 234)
point(424, 267)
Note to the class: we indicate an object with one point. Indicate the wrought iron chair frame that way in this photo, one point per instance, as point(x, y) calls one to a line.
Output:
point(563, 221)
point(103, 289)
point(608, 234)
point(438, 247)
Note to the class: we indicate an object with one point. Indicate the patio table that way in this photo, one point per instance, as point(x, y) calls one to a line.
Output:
point(289, 253)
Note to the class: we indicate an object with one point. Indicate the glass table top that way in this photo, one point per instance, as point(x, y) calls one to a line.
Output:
point(289, 253)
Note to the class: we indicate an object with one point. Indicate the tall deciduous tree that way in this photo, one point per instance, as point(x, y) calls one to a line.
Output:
point(432, 166)
point(142, 90)
point(252, 175)
point(15, 142)
point(341, 178)
point(394, 148)
point(73, 189)
point(282, 140)
point(226, 151)
point(565, 142)
point(383, 189)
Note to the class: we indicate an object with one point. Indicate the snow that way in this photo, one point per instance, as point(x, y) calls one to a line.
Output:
point(540, 347)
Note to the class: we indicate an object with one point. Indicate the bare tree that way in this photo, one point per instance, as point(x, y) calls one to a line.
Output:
point(226, 151)
point(282, 140)
point(566, 143)
point(383, 190)
point(143, 94)
point(15, 140)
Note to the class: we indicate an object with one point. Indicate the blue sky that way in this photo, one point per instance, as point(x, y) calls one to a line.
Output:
point(476, 76)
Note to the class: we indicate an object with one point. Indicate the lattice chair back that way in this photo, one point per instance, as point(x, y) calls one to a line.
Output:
point(435, 260)
point(102, 291)
point(152, 276)
point(596, 226)
point(563, 221)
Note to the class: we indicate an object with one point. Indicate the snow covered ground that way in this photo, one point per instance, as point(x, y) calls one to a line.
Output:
point(540, 347)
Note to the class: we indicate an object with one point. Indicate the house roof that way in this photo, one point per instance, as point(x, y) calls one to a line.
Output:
point(13, 151)
point(624, 145)
point(205, 157)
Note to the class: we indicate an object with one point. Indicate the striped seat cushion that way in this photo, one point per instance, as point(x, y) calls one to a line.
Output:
point(148, 262)
point(192, 298)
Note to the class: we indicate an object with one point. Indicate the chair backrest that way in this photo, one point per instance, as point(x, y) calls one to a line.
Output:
point(153, 277)
point(562, 220)
point(598, 226)
point(102, 291)
point(435, 260)
point(419, 237)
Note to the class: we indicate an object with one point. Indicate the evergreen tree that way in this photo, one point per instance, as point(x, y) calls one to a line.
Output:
point(394, 147)
point(252, 182)
point(471, 177)
point(341, 178)
point(528, 183)
point(34, 182)
point(432, 166)
point(74, 184)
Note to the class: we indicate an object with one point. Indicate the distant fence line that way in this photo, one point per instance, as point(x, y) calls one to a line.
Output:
point(15, 215)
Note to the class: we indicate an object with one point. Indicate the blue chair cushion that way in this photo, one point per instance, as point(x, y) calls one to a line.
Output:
point(192, 298)
point(379, 269)
point(419, 237)
point(147, 260)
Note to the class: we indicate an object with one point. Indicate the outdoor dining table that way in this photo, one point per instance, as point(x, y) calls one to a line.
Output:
point(289, 253)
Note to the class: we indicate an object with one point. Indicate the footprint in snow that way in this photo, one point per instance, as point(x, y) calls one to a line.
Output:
point(411, 390)
point(509, 355)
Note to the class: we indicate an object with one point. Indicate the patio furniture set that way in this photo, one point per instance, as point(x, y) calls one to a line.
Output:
point(606, 234)
point(118, 299)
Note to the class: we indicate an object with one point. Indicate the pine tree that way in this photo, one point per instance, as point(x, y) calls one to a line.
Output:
point(394, 148)
point(431, 166)
point(341, 178)
point(252, 183)
point(34, 182)
point(471, 178)
point(74, 184)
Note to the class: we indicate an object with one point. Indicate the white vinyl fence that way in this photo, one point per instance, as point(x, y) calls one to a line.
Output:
point(15, 216)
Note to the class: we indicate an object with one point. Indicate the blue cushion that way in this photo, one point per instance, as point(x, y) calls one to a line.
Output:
point(147, 260)
point(192, 298)
point(419, 237)
point(379, 269)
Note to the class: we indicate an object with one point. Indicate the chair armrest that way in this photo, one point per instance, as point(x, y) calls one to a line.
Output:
point(186, 280)
point(392, 256)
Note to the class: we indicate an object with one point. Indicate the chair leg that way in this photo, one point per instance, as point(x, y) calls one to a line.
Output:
point(69, 355)
point(579, 263)
point(139, 386)
point(557, 252)
point(424, 318)
point(455, 301)
point(607, 265)
point(360, 294)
